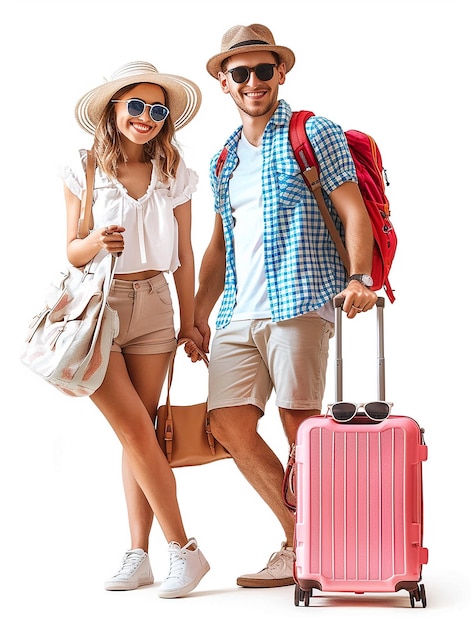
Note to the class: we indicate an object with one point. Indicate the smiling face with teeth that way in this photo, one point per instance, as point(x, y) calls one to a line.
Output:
point(254, 98)
point(139, 130)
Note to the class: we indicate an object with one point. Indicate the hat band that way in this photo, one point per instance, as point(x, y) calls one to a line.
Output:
point(250, 42)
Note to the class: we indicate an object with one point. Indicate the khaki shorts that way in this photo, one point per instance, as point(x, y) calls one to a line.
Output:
point(250, 358)
point(145, 314)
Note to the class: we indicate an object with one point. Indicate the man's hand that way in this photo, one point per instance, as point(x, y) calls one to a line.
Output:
point(358, 298)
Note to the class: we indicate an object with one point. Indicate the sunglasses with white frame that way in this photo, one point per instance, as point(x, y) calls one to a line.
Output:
point(376, 411)
point(136, 107)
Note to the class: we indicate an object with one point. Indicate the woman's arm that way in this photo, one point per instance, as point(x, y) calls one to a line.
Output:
point(184, 276)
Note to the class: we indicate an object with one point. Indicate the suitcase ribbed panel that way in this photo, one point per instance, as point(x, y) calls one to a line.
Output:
point(359, 504)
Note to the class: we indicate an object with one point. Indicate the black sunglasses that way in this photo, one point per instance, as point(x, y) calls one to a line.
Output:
point(263, 71)
point(136, 107)
point(346, 411)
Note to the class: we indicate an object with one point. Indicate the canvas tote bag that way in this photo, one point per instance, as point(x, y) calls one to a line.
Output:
point(69, 340)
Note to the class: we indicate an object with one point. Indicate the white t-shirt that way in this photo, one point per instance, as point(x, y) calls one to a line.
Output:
point(151, 235)
point(245, 189)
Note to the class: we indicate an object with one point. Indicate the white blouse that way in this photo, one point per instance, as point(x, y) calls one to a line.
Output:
point(151, 235)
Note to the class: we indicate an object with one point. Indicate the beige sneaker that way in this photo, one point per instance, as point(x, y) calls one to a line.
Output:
point(278, 572)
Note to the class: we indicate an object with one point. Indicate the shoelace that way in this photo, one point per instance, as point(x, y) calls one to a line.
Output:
point(177, 562)
point(131, 562)
point(279, 560)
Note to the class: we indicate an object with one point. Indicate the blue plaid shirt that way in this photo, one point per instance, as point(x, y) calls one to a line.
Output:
point(302, 266)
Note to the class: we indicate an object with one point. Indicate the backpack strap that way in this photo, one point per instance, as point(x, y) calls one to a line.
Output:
point(221, 160)
point(307, 161)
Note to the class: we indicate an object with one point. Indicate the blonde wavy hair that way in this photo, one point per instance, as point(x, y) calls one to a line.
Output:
point(109, 151)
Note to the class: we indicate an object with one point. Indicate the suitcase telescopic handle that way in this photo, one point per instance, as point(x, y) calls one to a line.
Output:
point(381, 377)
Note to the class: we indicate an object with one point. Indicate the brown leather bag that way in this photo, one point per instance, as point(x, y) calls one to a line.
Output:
point(184, 432)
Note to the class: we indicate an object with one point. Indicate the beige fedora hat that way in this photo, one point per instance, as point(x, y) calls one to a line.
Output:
point(183, 97)
point(255, 37)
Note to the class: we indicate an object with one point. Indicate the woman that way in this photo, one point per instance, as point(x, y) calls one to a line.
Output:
point(141, 213)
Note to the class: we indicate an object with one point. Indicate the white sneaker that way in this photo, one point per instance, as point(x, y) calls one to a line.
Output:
point(135, 571)
point(278, 572)
point(187, 568)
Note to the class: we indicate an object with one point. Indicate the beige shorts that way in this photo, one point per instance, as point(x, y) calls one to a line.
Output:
point(145, 314)
point(250, 358)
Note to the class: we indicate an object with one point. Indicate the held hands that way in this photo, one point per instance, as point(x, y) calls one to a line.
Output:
point(358, 298)
point(111, 239)
point(195, 342)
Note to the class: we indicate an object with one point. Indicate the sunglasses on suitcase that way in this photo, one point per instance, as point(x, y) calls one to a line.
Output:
point(345, 411)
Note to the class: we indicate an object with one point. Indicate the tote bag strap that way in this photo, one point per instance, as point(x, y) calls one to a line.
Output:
point(85, 221)
point(181, 342)
point(204, 358)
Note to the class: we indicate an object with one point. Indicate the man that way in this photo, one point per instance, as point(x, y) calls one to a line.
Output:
point(272, 259)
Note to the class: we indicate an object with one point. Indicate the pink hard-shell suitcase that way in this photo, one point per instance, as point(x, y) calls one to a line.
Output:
point(359, 512)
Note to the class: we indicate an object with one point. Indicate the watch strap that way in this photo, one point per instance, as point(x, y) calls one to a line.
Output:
point(359, 278)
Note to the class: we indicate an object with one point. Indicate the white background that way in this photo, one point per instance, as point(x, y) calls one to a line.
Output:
point(396, 69)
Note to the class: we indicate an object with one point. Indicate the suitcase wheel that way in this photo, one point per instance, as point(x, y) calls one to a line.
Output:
point(418, 594)
point(301, 595)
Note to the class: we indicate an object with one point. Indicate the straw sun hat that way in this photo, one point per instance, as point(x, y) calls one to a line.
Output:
point(253, 38)
point(183, 97)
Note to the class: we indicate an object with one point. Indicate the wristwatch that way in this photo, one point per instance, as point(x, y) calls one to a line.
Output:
point(364, 279)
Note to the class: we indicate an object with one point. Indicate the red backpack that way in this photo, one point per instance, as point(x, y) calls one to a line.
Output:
point(371, 181)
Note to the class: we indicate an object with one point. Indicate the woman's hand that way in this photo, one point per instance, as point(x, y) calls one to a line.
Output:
point(194, 344)
point(111, 238)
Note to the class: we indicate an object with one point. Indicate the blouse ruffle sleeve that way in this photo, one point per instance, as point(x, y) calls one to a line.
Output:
point(183, 185)
point(72, 173)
